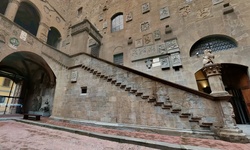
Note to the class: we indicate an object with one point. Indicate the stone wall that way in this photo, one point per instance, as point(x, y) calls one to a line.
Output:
point(116, 95)
point(184, 23)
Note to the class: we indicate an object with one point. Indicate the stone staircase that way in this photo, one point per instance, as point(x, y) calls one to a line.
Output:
point(143, 89)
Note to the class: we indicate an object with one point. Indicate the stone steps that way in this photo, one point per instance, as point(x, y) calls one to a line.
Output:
point(150, 99)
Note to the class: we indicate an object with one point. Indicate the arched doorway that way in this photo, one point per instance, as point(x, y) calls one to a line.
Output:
point(3, 6)
point(35, 79)
point(236, 81)
point(28, 17)
point(54, 37)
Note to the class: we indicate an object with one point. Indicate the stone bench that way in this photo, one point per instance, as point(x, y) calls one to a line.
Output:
point(35, 116)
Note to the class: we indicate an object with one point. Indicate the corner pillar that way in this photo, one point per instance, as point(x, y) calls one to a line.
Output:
point(11, 9)
point(42, 33)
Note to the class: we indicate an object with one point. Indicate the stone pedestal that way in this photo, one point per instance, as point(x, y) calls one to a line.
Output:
point(11, 9)
point(229, 130)
point(213, 73)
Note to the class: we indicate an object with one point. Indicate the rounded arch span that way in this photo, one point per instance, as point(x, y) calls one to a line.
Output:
point(23, 62)
point(54, 37)
point(215, 42)
point(35, 77)
point(28, 17)
point(117, 22)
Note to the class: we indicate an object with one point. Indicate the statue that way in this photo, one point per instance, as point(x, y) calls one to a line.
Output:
point(208, 57)
point(45, 107)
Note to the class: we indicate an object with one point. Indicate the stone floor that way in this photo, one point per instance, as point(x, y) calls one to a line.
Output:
point(177, 140)
point(20, 136)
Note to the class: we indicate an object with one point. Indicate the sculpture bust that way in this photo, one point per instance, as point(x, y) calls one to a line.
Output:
point(45, 107)
point(208, 57)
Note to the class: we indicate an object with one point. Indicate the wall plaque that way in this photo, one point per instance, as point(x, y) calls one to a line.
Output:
point(148, 39)
point(164, 13)
point(129, 17)
point(145, 26)
point(74, 75)
point(138, 43)
point(172, 46)
point(145, 8)
point(23, 35)
point(157, 34)
point(176, 59)
point(14, 43)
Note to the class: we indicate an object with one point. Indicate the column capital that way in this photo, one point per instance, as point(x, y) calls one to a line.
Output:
point(212, 70)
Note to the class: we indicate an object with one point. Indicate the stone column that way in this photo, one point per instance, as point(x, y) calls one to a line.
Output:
point(42, 33)
point(213, 73)
point(11, 10)
point(229, 131)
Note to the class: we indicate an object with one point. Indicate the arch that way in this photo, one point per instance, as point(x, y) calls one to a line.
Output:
point(34, 74)
point(3, 6)
point(235, 78)
point(28, 17)
point(117, 22)
point(213, 42)
point(54, 37)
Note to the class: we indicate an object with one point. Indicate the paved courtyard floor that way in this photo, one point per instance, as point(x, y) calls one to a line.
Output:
point(20, 136)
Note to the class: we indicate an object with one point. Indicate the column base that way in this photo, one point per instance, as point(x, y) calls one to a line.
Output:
point(233, 135)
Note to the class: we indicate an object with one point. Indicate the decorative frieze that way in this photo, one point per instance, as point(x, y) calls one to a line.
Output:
point(164, 13)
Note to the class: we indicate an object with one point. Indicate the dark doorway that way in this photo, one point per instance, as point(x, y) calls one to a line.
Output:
point(28, 18)
point(236, 81)
point(54, 37)
point(35, 80)
point(3, 6)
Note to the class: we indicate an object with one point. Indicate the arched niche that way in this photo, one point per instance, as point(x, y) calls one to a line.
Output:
point(28, 17)
point(54, 37)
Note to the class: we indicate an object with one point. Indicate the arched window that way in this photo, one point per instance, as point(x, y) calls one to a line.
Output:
point(28, 17)
point(3, 6)
point(54, 37)
point(214, 43)
point(117, 22)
